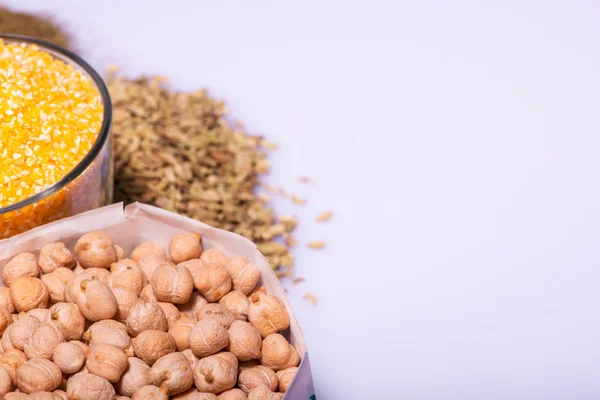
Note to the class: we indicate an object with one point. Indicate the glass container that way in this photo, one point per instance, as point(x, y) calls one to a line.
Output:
point(87, 186)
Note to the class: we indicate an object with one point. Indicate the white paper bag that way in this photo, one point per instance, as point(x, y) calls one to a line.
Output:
point(138, 223)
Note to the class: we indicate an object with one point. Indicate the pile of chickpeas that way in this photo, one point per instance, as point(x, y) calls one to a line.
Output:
point(95, 325)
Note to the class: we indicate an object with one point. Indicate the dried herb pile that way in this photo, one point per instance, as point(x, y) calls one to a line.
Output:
point(32, 25)
point(179, 151)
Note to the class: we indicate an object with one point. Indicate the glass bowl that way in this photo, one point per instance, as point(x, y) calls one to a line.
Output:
point(87, 186)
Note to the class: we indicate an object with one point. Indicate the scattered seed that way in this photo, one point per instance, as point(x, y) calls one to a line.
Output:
point(310, 297)
point(305, 179)
point(325, 216)
point(298, 200)
point(316, 245)
point(298, 280)
point(265, 198)
point(281, 191)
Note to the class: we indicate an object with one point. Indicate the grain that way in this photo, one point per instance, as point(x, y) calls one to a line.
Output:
point(310, 297)
point(324, 216)
point(317, 245)
point(298, 200)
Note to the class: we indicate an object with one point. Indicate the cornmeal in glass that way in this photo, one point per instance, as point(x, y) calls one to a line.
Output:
point(50, 116)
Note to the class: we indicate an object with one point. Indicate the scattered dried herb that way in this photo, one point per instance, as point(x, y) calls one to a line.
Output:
point(324, 216)
point(316, 245)
point(310, 297)
point(41, 27)
point(298, 200)
point(305, 179)
point(179, 151)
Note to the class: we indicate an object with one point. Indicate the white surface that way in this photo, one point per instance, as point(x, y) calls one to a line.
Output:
point(458, 147)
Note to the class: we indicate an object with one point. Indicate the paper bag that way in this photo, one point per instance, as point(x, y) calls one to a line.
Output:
point(138, 223)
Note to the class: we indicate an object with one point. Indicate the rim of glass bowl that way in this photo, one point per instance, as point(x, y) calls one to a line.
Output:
point(73, 59)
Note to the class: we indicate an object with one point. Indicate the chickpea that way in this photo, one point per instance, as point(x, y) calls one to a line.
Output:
point(94, 298)
point(123, 264)
point(172, 283)
point(268, 314)
point(233, 394)
point(38, 375)
point(194, 394)
point(5, 381)
point(146, 248)
point(147, 294)
point(120, 252)
point(107, 361)
point(122, 398)
point(244, 274)
point(28, 293)
point(149, 263)
point(5, 300)
point(56, 281)
point(237, 303)
point(55, 255)
point(217, 312)
point(18, 332)
point(23, 264)
point(172, 313)
point(262, 392)
point(135, 376)
point(69, 357)
point(10, 361)
point(212, 281)
point(173, 371)
point(189, 354)
point(213, 256)
point(144, 316)
point(96, 250)
point(109, 333)
point(67, 318)
point(286, 376)
point(87, 386)
point(125, 302)
point(61, 394)
point(194, 265)
point(216, 373)
point(185, 246)
point(16, 396)
point(128, 278)
point(208, 337)
point(153, 344)
point(244, 341)
point(277, 353)
point(84, 347)
point(43, 342)
point(39, 313)
point(5, 319)
point(43, 396)
point(108, 323)
point(150, 392)
point(180, 330)
point(254, 377)
point(194, 304)
point(101, 273)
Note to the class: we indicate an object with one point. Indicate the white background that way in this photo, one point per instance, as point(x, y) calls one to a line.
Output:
point(458, 147)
